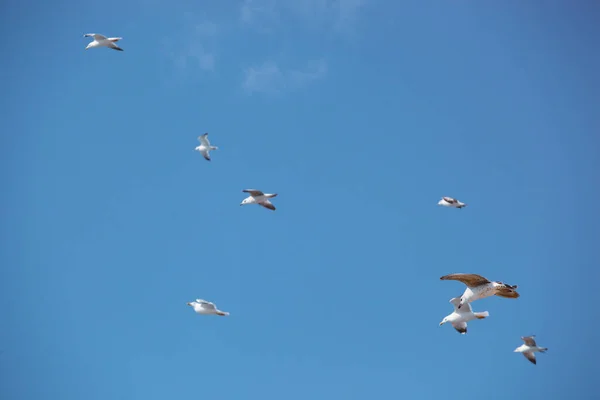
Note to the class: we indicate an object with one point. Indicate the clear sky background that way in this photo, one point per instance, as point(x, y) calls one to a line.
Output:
point(360, 114)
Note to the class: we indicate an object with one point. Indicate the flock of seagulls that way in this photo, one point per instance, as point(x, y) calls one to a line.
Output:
point(478, 287)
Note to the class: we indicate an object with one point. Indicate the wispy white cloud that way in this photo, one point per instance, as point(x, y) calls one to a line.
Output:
point(195, 48)
point(253, 11)
point(338, 15)
point(270, 78)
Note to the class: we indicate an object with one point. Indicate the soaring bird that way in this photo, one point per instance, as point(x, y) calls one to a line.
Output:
point(460, 317)
point(479, 287)
point(206, 308)
point(205, 146)
point(103, 41)
point(529, 348)
point(450, 202)
point(258, 197)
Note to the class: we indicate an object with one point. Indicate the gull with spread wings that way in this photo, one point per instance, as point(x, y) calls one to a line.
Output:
point(103, 41)
point(205, 146)
point(451, 202)
point(204, 307)
point(530, 348)
point(479, 287)
point(258, 197)
point(460, 317)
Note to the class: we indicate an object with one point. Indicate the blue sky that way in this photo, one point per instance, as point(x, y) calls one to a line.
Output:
point(360, 114)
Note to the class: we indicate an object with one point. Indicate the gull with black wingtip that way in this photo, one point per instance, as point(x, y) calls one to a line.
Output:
point(530, 348)
point(103, 41)
point(205, 146)
point(479, 287)
point(451, 202)
point(460, 317)
point(258, 197)
point(204, 307)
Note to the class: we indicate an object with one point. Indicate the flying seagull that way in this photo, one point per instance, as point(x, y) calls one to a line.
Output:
point(205, 146)
point(103, 41)
point(479, 287)
point(206, 308)
point(529, 348)
point(460, 317)
point(258, 197)
point(450, 202)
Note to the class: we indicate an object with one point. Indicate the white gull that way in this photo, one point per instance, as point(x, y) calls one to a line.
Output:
point(103, 41)
point(206, 308)
point(530, 348)
point(460, 317)
point(258, 197)
point(450, 202)
point(205, 146)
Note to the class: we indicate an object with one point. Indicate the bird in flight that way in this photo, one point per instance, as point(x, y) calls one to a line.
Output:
point(103, 41)
point(205, 146)
point(479, 287)
point(258, 197)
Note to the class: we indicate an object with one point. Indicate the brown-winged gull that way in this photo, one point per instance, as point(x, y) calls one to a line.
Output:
point(258, 197)
point(529, 348)
point(460, 317)
point(103, 41)
point(206, 308)
point(479, 287)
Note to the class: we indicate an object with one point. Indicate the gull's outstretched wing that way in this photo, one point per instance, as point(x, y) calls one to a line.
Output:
point(461, 327)
point(253, 192)
point(205, 304)
point(205, 154)
point(267, 204)
point(529, 340)
point(449, 200)
point(96, 36)
point(204, 140)
point(471, 280)
point(208, 305)
point(530, 356)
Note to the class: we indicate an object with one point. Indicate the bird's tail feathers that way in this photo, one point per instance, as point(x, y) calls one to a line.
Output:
point(482, 315)
point(222, 313)
point(214, 147)
point(543, 349)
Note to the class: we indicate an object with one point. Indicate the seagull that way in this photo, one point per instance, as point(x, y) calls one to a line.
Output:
point(529, 348)
point(206, 308)
point(205, 146)
point(450, 202)
point(103, 41)
point(258, 197)
point(460, 317)
point(479, 287)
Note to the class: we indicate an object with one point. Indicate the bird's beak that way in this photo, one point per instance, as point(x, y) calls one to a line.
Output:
point(189, 304)
point(441, 323)
point(241, 204)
